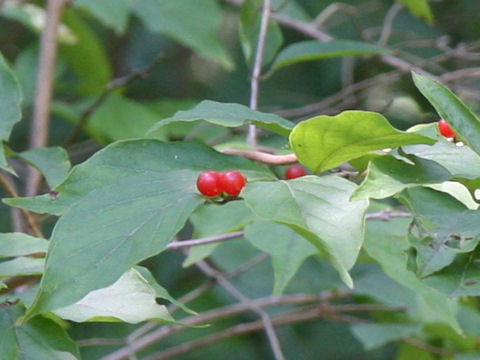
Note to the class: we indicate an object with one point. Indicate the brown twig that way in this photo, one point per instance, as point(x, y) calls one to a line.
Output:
point(174, 245)
point(43, 90)
point(262, 157)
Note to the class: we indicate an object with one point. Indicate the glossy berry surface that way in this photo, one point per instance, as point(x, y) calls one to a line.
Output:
point(208, 183)
point(295, 171)
point(232, 182)
point(445, 129)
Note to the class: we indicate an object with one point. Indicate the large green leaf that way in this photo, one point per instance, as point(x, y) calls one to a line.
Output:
point(286, 247)
point(52, 162)
point(388, 176)
point(462, 120)
point(130, 299)
point(10, 107)
point(387, 244)
point(319, 209)
point(120, 207)
point(17, 244)
point(323, 142)
point(21, 266)
point(229, 115)
point(315, 50)
point(113, 13)
point(193, 23)
point(376, 335)
point(39, 339)
point(444, 227)
point(419, 8)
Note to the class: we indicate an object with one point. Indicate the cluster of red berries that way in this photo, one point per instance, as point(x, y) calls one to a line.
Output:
point(213, 183)
point(445, 129)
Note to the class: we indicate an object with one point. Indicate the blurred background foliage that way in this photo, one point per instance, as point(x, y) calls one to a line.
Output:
point(198, 48)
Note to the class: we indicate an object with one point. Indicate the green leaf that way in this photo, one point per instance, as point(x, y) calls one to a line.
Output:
point(52, 162)
point(39, 339)
point(376, 335)
point(86, 57)
point(409, 352)
point(470, 356)
point(323, 142)
point(249, 27)
point(193, 23)
point(10, 107)
point(120, 207)
point(315, 50)
point(319, 209)
point(286, 247)
point(462, 120)
point(229, 115)
point(387, 244)
point(16, 244)
point(21, 266)
point(120, 118)
point(112, 13)
point(388, 176)
point(130, 299)
point(419, 8)
point(210, 220)
point(444, 225)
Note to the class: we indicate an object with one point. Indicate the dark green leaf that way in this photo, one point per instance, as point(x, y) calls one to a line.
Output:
point(388, 176)
point(229, 115)
point(17, 244)
point(113, 13)
point(120, 207)
point(376, 335)
point(193, 23)
point(315, 50)
point(286, 247)
point(419, 8)
point(462, 120)
point(323, 142)
point(319, 209)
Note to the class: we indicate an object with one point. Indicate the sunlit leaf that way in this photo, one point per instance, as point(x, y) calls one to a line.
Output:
point(419, 8)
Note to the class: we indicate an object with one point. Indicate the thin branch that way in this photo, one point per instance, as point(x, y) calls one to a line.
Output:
point(43, 89)
point(388, 23)
point(174, 245)
point(262, 157)
point(257, 68)
point(427, 347)
point(386, 215)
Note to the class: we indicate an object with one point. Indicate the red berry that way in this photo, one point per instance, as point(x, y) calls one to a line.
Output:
point(445, 129)
point(295, 171)
point(232, 182)
point(208, 183)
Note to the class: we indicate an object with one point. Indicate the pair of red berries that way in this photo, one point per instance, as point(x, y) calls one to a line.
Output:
point(445, 129)
point(212, 183)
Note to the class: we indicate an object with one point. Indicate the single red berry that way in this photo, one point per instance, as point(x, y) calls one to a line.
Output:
point(232, 182)
point(445, 129)
point(295, 171)
point(208, 183)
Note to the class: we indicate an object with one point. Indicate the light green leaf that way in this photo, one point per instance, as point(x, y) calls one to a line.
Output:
point(315, 50)
point(444, 227)
point(388, 176)
point(462, 120)
point(39, 339)
point(229, 115)
point(375, 335)
point(249, 27)
point(10, 107)
point(323, 142)
point(210, 220)
point(130, 299)
point(16, 244)
point(86, 57)
point(21, 266)
point(113, 13)
point(319, 209)
point(409, 352)
point(193, 23)
point(120, 207)
point(120, 118)
point(387, 244)
point(288, 250)
point(419, 8)
point(52, 162)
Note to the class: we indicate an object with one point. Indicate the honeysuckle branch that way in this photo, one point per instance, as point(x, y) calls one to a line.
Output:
point(262, 157)
point(388, 23)
point(257, 68)
point(39, 127)
point(174, 245)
